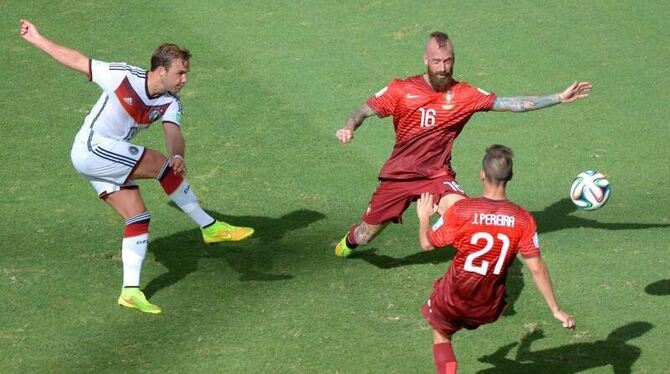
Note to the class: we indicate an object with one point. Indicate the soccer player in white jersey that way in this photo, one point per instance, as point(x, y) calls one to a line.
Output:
point(132, 99)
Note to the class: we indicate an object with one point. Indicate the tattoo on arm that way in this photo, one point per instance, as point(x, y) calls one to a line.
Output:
point(524, 103)
point(355, 119)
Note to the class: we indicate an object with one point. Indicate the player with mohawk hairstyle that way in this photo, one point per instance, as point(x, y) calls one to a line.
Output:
point(132, 99)
point(429, 111)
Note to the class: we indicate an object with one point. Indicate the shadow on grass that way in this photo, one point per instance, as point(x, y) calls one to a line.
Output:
point(553, 218)
point(513, 287)
point(181, 252)
point(660, 288)
point(614, 351)
point(557, 217)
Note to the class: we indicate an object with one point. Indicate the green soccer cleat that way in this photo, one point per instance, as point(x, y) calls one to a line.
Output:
point(220, 231)
point(133, 298)
point(341, 249)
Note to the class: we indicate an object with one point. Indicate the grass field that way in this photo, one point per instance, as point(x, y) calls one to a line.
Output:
point(270, 84)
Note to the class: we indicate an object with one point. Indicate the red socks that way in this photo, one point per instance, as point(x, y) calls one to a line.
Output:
point(445, 361)
point(169, 181)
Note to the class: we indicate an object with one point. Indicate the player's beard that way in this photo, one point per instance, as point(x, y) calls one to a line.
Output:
point(439, 82)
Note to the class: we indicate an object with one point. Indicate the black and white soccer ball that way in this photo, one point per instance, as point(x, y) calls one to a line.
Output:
point(590, 190)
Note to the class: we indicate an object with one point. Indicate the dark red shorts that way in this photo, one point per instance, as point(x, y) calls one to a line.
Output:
point(392, 198)
point(448, 325)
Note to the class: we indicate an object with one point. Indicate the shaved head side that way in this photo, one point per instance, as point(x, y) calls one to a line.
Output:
point(497, 164)
point(440, 38)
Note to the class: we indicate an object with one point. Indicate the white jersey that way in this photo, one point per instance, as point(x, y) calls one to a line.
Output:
point(125, 107)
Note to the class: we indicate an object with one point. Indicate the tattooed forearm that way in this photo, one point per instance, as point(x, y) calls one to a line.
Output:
point(524, 103)
point(355, 119)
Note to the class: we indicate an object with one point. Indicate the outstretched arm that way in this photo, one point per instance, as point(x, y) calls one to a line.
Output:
point(543, 282)
point(66, 56)
point(355, 120)
point(574, 92)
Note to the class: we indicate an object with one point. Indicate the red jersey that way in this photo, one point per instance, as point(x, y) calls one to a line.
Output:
point(487, 235)
point(426, 123)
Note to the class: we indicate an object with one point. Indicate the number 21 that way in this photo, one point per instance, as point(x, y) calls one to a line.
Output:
point(484, 267)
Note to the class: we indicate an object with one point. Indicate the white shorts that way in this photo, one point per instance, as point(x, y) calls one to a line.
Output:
point(106, 163)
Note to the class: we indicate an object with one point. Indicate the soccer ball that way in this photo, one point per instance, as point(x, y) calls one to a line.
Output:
point(590, 190)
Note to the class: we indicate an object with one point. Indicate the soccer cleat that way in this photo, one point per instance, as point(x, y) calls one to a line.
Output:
point(341, 249)
point(133, 298)
point(222, 232)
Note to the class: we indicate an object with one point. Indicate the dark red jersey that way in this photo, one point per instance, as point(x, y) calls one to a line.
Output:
point(487, 235)
point(426, 123)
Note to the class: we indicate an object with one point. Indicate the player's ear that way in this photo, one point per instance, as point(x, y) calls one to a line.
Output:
point(482, 175)
point(425, 59)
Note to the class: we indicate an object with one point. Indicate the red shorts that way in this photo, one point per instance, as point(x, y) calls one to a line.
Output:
point(392, 198)
point(448, 325)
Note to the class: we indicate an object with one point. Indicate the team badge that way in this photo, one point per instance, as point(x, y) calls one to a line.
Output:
point(133, 150)
point(448, 101)
point(155, 113)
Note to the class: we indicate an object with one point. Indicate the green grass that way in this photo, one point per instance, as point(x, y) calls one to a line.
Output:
point(271, 82)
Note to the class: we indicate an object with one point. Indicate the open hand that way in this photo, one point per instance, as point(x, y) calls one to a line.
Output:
point(424, 206)
point(575, 91)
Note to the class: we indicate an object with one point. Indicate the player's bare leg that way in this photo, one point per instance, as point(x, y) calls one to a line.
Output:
point(129, 204)
point(445, 203)
point(445, 361)
point(154, 165)
point(360, 234)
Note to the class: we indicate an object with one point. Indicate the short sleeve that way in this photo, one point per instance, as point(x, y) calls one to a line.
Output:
point(173, 113)
point(107, 75)
point(385, 100)
point(529, 244)
point(445, 234)
point(482, 100)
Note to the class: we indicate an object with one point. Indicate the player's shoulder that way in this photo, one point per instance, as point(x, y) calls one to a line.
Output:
point(406, 82)
point(125, 67)
point(468, 87)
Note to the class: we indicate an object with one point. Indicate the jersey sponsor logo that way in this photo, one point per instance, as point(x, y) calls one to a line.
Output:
point(410, 96)
point(483, 91)
point(382, 91)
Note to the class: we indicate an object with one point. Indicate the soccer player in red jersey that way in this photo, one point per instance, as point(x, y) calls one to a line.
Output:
point(429, 111)
point(487, 232)
point(132, 99)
